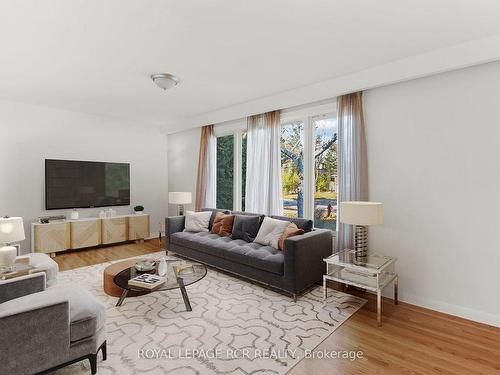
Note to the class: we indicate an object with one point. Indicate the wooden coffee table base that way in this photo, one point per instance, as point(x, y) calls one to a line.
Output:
point(110, 288)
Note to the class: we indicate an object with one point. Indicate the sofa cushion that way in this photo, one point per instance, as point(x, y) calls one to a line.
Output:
point(246, 227)
point(305, 224)
point(87, 315)
point(265, 258)
point(205, 242)
point(239, 251)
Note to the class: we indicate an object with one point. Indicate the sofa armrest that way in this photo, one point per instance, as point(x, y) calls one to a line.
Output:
point(304, 255)
point(173, 224)
point(21, 286)
point(36, 336)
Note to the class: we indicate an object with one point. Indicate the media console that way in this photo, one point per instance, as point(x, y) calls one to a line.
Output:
point(64, 235)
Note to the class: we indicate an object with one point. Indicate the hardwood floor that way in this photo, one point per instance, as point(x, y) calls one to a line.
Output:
point(87, 257)
point(412, 340)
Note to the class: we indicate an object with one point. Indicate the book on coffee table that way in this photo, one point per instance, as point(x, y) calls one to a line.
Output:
point(147, 281)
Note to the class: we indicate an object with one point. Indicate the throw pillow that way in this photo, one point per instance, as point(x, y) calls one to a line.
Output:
point(226, 225)
point(270, 231)
point(217, 224)
point(197, 221)
point(245, 227)
point(223, 224)
point(290, 231)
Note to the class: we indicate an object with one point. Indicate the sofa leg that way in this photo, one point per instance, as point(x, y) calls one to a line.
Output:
point(93, 363)
point(104, 351)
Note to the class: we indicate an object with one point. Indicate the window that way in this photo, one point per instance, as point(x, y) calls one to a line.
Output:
point(225, 175)
point(292, 168)
point(325, 172)
point(231, 153)
point(309, 163)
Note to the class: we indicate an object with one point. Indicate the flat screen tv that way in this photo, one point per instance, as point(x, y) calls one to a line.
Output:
point(82, 184)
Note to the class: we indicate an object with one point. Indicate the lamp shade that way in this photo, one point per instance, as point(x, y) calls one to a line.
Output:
point(361, 213)
point(11, 230)
point(180, 197)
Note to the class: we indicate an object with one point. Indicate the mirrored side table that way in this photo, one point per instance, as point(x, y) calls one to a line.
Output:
point(373, 272)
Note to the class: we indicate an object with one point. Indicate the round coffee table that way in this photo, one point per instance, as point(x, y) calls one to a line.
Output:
point(180, 273)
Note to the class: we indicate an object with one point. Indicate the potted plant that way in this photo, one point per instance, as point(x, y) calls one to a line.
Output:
point(138, 210)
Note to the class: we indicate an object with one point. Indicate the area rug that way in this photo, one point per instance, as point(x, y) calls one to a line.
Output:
point(236, 327)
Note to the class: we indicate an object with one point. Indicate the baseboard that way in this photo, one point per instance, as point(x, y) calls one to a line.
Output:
point(447, 308)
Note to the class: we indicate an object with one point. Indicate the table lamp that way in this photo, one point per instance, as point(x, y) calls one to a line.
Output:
point(361, 214)
point(180, 199)
point(11, 230)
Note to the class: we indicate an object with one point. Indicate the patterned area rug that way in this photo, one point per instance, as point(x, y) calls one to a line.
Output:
point(236, 327)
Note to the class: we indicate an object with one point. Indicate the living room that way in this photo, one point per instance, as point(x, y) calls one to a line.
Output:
point(249, 187)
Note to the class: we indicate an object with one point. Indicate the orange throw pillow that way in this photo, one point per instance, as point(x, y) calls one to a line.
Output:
point(227, 226)
point(290, 231)
point(223, 224)
point(217, 224)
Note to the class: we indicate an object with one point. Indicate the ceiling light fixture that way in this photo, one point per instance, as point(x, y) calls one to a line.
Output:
point(165, 80)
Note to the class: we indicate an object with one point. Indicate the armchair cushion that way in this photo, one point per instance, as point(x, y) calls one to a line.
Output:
point(86, 314)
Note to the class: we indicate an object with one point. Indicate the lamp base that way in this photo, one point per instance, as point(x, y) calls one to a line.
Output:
point(180, 210)
point(361, 242)
point(8, 256)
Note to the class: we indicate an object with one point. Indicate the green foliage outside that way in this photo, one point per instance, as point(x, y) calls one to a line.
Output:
point(225, 166)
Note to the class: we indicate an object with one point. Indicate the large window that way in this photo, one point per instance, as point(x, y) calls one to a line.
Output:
point(308, 163)
point(292, 168)
point(225, 171)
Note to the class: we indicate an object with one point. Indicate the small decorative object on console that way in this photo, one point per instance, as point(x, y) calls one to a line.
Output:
point(74, 214)
point(147, 281)
point(138, 210)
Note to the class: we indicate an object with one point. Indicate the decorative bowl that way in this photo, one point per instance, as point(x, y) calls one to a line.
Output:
point(145, 265)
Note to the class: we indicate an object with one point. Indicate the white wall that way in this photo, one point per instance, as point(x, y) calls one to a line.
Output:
point(434, 148)
point(183, 150)
point(30, 134)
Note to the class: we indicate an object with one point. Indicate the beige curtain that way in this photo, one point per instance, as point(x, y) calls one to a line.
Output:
point(205, 181)
point(352, 160)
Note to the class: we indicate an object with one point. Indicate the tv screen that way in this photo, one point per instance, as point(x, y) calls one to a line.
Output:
point(80, 184)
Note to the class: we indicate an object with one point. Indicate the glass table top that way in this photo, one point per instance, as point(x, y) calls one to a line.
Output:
point(372, 261)
point(177, 270)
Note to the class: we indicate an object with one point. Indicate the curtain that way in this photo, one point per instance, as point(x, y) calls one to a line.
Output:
point(263, 179)
point(205, 181)
point(352, 160)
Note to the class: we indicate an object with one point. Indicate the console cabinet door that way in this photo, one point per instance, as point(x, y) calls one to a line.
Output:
point(114, 230)
point(138, 227)
point(85, 233)
point(51, 237)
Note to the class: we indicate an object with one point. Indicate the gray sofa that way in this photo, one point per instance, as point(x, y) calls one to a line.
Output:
point(45, 329)
point(293, 271)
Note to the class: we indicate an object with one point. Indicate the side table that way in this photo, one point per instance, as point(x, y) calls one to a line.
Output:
point(373, 272)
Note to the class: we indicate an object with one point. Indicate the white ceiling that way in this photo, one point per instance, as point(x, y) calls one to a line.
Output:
point(95, 56)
